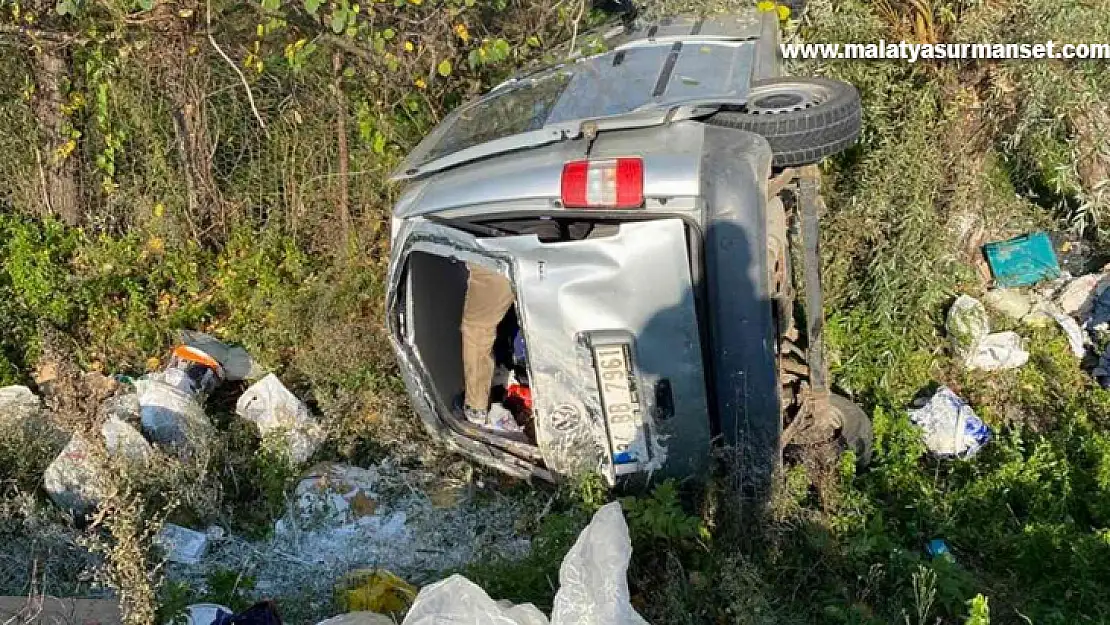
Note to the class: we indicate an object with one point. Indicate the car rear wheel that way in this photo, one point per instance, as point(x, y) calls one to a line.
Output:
point(804, 119)
point(855, 433)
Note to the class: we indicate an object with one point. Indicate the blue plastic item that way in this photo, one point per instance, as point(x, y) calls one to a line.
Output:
point(1023, 260)
point(937, 548)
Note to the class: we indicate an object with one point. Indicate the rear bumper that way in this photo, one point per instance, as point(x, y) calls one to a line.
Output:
point(741, 355)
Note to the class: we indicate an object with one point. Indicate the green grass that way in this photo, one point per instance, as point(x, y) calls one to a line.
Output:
point(951, 156)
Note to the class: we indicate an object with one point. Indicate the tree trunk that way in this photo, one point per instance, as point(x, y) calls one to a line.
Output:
point(57, 165)
point(184, 77)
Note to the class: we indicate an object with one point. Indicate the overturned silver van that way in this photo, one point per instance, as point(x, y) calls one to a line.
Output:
point(644, 204)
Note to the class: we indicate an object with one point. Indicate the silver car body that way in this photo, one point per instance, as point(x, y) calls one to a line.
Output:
point(678, 285)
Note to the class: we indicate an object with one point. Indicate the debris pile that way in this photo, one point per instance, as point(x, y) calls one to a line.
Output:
point(165, 408)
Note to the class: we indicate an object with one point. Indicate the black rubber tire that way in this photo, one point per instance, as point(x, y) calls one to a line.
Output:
point(855, 431)
point(801, 137)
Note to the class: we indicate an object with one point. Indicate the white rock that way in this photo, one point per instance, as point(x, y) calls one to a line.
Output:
point(73, 480)
point(17, 403)
point(123, 440)
point(181, 544)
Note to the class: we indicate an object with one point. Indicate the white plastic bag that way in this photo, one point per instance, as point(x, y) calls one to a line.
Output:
point(459, 600)
point(170, 412)
point(277, 411)
point(593, 586)
point(969, 330)
point(950, 426)
point(593, 580)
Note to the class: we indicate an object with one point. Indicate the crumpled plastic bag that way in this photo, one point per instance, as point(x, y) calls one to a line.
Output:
point(277, 412)
point(593, 586)
point(969, 330)
point(171, 414)
point(950, 426)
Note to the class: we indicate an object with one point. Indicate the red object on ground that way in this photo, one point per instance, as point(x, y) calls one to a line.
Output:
point(521, 393)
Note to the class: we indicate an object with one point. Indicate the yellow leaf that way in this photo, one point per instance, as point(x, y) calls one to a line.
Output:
point(764, 6)
point(420, 83)
point(417, 2)
point(159, 209)
point(409, 47)
point(156, 245)
point(784, 12)
point(462, 32)
point(444, 68)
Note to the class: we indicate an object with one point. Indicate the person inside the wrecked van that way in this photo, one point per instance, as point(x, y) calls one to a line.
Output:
point(488, 297)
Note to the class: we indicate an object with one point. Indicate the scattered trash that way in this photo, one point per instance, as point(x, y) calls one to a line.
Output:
point(376, 590)
point(1012, 303)
point(16, 404)
point(181, 544)
point(331, 494)
point(278, 412)
point(501, 418)
point(236, 363)
point(937, 548)
point(204, 613)
point(407, 533)
point(358, 618)
point(215, 533)
point(969, 329)
point(593, 586)
point(950, 426)
point(459, 600)
point(1077, 297)
point(261, 613)
point(1023, 260)
point(1073, 332)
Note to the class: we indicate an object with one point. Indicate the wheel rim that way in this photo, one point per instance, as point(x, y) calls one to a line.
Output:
point(785, 98)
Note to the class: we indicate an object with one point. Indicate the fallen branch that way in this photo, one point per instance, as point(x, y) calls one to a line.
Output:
point(219, 50)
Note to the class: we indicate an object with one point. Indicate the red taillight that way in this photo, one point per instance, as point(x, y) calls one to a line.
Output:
point(611, 183)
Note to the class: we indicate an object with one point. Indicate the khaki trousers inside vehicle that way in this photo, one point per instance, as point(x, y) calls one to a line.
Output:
point(488, 297)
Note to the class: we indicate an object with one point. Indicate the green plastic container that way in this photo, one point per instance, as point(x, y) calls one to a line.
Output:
point(1023, 260)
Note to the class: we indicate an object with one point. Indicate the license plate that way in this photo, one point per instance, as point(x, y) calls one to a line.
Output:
point(621, 406)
